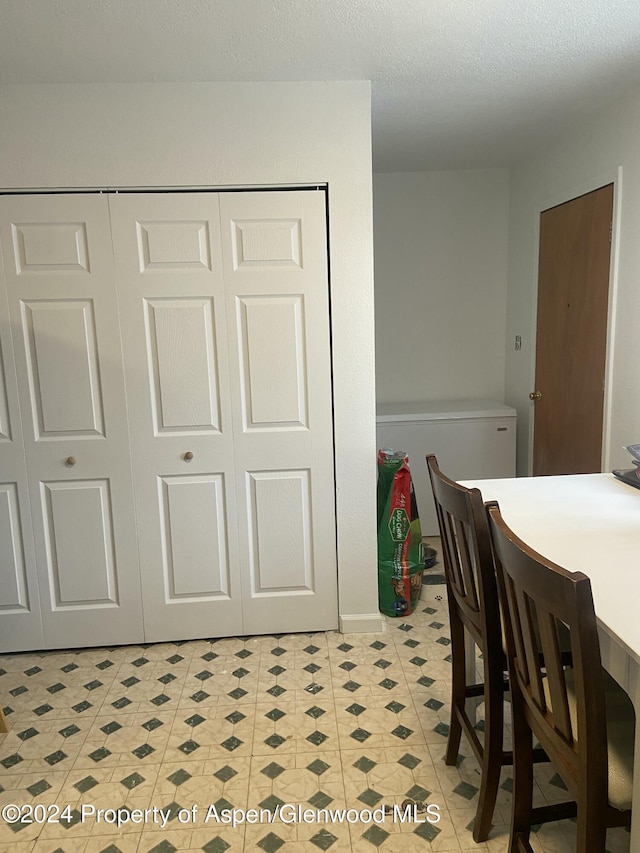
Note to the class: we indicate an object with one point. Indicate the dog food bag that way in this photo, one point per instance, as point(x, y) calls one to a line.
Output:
point(400, 557)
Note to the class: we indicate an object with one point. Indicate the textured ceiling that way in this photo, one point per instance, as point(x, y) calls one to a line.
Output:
point(455, 83)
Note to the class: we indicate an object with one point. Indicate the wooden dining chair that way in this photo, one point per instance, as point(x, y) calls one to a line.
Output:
point(473, 614)
point(584, 721)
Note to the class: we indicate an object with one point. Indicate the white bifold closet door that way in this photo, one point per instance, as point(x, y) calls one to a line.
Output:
point(70, 562)
point(171, 293)
point(20, 619)
point(225, 331)
point(166, 436)
point(274, 250)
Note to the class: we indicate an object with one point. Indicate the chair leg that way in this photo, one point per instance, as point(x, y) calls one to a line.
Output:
point(458, 689)
point(491, 768)
point(3, 722)
point(522, 779)
point(453, 741)
point(591, 835)
point(491, 753)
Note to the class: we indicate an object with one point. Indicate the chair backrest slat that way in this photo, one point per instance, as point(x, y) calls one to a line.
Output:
point(451, 553)
point(514, 632)
point(527, 616)
point(556, 681)
point(467, 569)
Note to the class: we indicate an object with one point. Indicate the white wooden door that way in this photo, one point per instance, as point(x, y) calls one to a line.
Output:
point(277, 300)
point(219, 306)
point(58, 272)
point(20, 619)
point(170, 285)
point(226, 343)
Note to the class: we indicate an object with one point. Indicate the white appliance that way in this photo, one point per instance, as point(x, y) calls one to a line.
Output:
point(472, 439)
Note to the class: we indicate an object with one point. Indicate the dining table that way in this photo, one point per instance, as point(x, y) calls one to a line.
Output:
point(588, 523)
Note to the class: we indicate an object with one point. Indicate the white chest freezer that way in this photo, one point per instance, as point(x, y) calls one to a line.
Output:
point(472, 439)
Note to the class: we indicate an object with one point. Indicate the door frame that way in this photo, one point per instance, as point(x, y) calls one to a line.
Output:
point(613, 176)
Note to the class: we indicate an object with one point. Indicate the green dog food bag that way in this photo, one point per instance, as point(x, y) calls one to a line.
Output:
point(400, 551)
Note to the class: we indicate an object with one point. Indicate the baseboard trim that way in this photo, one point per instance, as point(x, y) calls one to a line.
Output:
point(362, 623)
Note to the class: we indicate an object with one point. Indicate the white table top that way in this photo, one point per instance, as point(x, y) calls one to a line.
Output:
point(583, 522)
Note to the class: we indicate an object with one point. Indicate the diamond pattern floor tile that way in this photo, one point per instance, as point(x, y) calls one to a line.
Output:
point(318, 721)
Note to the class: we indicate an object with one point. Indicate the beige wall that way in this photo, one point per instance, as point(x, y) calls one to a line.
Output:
point(256, 134)
point(591, 154)
point(440, 282)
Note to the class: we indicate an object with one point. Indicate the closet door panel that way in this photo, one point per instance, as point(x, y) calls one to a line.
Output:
point(6, 355)
point(20, 617)
point(280, 512)
point(58, 267)
point(13, 580)
point(277, 298)
point(182, 357)
point(79, 532)
point(195, 548)
point(170, 289)
point(272, 353)
point(64, 382)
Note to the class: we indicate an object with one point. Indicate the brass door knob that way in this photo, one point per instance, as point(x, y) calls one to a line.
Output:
point(188, 456)
point(535, 396)
point(70, 461)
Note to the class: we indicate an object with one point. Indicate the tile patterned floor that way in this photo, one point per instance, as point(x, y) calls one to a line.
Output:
point(321, 720)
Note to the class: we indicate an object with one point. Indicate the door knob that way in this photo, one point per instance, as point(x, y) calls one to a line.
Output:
point(70, 461)
point(188, 456)
point(535, 396)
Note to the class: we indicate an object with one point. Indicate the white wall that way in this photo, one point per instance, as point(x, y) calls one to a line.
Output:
point(440, 283)
point(231, 135)
point(586, 157)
